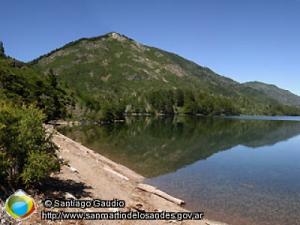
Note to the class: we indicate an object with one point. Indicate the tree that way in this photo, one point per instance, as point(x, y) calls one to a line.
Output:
point(51, 98)
point(190, 103)
point(27, 154)
point(2, 51)
point(53, 79)
point(179, 97)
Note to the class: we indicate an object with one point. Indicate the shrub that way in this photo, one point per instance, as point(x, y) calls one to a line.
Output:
point(37, 166)
point(27, 154)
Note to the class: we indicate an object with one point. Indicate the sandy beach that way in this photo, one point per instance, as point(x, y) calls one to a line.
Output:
point(88, 175)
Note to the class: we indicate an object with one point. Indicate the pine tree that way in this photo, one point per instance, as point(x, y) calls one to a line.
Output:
point(2, 52)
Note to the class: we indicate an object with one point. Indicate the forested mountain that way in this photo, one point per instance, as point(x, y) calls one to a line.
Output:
point(109, 76)
point(113, 74)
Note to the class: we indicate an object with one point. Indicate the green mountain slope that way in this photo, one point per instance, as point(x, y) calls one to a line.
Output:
point(112, 74)
point(283, 96)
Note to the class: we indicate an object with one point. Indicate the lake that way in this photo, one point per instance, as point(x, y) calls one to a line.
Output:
point(240, 170)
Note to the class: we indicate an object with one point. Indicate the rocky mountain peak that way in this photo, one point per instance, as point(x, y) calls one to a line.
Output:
point(117, 36)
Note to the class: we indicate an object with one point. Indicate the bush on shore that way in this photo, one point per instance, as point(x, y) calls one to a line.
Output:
point(27, 154)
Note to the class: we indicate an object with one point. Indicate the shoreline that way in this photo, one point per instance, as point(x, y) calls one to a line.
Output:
point(101, 178)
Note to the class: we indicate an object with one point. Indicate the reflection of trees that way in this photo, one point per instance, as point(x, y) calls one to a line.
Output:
point(158, 146)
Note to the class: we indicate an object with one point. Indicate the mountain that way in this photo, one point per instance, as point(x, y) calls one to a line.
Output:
point(113, 74)
point(285, 97)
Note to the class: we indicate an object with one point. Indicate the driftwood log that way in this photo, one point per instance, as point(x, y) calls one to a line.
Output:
point(116, 173)
point(154, 190)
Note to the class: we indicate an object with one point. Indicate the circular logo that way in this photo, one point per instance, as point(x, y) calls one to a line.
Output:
point(20, 205)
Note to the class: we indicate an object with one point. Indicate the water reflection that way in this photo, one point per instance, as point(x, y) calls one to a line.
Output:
point(244, 185)
point(154, 147)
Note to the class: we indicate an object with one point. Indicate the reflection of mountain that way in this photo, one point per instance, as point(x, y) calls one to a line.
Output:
point(158, 146)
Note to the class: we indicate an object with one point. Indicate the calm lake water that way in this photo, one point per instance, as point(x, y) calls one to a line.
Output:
point(236, 170)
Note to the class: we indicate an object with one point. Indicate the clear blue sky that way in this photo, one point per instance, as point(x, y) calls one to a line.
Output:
point(244, 40)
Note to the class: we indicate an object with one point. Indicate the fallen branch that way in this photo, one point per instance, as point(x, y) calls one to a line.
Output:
point(154, 190)
point(116, 173)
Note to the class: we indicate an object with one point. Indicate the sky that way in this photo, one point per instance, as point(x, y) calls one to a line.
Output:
point(244, 40)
